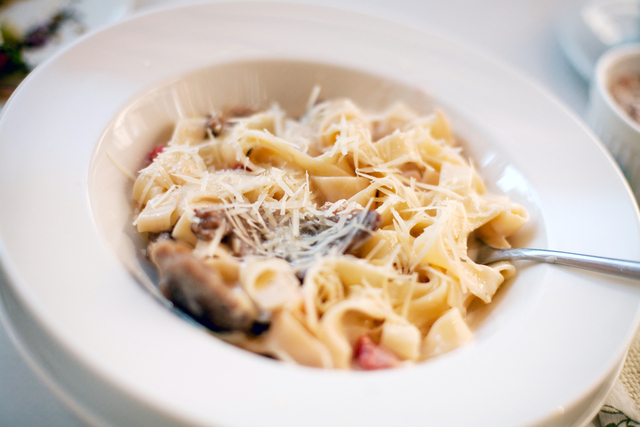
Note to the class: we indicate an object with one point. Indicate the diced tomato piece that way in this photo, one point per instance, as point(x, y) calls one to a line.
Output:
point(154, 153)
point(240, 166)
point(370, 356)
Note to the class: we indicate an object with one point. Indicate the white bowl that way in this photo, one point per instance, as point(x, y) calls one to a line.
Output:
point(545, 352)
point(587, 29)
point(619, 132)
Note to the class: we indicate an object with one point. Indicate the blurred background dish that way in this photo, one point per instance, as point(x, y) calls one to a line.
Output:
point(589, 29)
point(614, 106)
point(34, 30)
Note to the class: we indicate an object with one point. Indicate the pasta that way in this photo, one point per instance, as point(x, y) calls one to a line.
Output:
point(336, 240)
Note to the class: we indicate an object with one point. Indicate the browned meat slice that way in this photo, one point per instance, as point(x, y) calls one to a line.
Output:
point(216, 123)
point(159, 236)
point(201, 291)
point(238, 246)
point(322, 233)
point(207, 223)
point(239, 111)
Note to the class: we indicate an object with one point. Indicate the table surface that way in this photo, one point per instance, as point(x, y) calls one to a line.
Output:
point(520, 33)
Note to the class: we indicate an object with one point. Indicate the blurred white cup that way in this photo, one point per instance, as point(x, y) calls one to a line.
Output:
point(615, 127)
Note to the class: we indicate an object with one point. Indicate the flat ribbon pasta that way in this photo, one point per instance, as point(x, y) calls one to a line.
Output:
point(347, 230)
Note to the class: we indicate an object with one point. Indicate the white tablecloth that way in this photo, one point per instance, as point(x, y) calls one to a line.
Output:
point(520, 33)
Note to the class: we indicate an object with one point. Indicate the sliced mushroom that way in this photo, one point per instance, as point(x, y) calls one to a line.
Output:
point(336, 240)
point(201, 291)
point(207, 222)
point(217, 122)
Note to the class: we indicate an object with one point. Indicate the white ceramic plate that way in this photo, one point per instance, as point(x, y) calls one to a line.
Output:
point(545, 352)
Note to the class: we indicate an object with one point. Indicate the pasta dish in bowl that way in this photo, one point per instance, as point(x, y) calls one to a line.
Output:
point(337, 240)
point(120, 357)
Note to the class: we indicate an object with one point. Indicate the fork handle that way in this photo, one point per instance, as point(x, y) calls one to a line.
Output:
point(618, 267)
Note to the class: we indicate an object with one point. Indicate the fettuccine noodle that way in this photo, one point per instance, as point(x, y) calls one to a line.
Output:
point(336, 240)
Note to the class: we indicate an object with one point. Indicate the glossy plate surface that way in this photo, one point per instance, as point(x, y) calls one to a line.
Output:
point(545, 352)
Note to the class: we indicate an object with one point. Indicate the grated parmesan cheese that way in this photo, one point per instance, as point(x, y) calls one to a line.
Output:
point(422, 200)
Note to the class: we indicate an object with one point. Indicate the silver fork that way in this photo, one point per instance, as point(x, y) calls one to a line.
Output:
point(618, 267)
